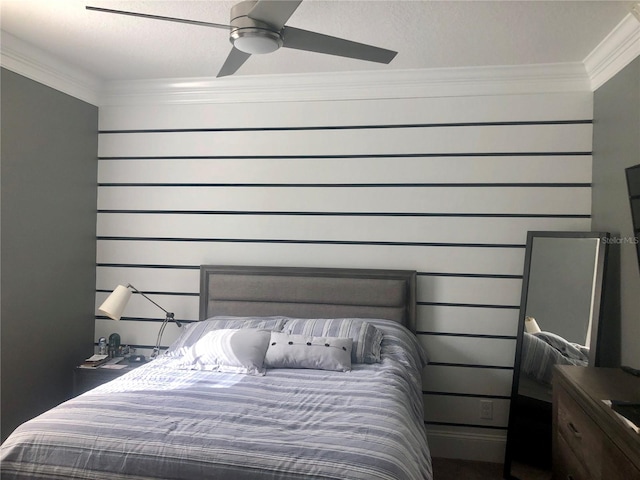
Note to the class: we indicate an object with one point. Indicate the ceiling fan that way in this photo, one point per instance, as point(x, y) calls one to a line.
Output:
point(258, 27)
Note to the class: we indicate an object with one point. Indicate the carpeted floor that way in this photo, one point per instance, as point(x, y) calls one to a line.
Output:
point(452, 469)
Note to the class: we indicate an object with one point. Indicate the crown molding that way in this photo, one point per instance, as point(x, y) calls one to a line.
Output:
point(619, 48)
point(31, 62)
point(38, 65)
point(352, 85)
point(615, 52)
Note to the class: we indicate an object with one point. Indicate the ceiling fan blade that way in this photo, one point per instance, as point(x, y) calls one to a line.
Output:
point(233, 62)
point(317, 42)
point(274, 12)
point(158, 17)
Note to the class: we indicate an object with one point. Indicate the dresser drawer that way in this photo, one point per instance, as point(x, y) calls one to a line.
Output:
point(580, 434)
point(589, 441)
point(566, 464)
point(616, 465)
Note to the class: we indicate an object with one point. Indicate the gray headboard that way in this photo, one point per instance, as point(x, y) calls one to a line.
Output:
point(308, 292)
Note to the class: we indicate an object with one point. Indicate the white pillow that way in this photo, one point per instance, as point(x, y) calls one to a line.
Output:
point(304, 351)
point(229, 350)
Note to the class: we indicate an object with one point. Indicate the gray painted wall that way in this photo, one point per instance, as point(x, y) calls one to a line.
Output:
point(616, 145)
point(48, 225)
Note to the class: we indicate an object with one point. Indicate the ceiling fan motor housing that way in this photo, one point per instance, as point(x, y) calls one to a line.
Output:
point(249, 35)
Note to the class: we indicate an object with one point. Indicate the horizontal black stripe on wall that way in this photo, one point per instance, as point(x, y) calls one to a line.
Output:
point(146, 292)
point(197, 267)
point(352, 127)
point(472, 425)
point(356, 155)
point(466, 335)
point(469, 275)
point(311, 242)
point(346, 214)
point(468, 395)
point(146, 265)
point(468, 305)
point(469, 365)
point(144, 319)
point(349, 185)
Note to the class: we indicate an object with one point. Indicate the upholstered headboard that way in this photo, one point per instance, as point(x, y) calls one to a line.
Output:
point(308, 292)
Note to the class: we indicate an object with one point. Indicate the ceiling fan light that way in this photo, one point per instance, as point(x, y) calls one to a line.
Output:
point(256, 41)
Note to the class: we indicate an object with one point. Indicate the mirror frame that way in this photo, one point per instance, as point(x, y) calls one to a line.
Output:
point(600, 265)
point(632, 175)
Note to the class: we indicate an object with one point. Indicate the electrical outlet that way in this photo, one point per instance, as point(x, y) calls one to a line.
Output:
point(486, 409)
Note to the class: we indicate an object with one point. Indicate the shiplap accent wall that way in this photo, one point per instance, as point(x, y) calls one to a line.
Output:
point(445, 186)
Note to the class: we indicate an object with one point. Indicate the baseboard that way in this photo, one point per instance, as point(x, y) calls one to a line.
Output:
point(477, 444)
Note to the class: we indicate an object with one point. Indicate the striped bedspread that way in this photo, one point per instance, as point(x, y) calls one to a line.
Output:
point(159, 422)
point(542, 350)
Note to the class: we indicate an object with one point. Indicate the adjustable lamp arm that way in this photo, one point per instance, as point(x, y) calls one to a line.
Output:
point(168, 318)
point(169, 314)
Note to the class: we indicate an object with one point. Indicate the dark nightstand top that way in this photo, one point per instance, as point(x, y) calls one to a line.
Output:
point(85, 379)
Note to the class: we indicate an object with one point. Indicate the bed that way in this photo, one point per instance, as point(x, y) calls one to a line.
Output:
point(541, 351)
point(335, 411)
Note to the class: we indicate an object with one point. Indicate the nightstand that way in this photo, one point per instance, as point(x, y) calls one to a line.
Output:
point(85, 379)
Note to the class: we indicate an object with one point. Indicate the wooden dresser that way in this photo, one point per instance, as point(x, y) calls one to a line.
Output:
point(590, 442)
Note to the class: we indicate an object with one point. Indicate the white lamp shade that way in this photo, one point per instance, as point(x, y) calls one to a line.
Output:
point(115, 303)
point(531, 326)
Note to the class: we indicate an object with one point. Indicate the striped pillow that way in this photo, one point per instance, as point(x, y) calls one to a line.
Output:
point(195, 331)
point(366, 338)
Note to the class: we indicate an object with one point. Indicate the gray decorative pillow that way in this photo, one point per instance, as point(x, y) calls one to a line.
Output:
point(303, 351)
point(193, 332)
point(230, 350)
point(366, 337)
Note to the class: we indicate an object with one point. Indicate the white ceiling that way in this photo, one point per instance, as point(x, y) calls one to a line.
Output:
point(426, 34)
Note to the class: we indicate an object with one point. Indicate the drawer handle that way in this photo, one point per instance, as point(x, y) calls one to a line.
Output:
point(574, 430)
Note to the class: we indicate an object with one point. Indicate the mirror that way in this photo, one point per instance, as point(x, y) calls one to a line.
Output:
point(633, 188)
point(559, 323)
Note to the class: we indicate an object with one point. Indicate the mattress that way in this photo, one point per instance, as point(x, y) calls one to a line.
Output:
point(164, 422)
